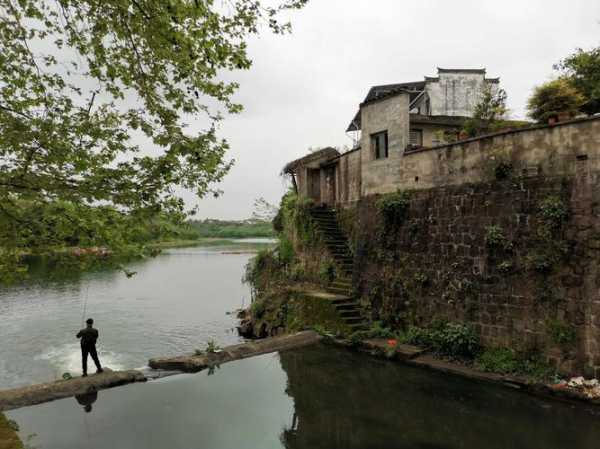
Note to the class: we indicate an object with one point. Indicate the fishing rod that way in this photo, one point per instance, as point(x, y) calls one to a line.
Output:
point(85, 301)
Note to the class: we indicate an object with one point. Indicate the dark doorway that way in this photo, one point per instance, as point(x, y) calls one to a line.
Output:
point(314, 184)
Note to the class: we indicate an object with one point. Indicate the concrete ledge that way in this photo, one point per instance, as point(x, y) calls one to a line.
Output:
point(194, 363)
point(37, 394)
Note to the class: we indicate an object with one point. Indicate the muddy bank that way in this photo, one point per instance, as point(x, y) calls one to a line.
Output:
point(37, 394)
point(8, 435)
point(195, 363)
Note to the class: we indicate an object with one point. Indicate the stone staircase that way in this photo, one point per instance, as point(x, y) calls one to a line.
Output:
point(347, 307)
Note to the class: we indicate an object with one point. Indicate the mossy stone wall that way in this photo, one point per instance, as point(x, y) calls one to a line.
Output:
point(517, 258)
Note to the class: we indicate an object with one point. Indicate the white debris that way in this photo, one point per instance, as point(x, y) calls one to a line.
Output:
point(576, 382)
point(589, 387)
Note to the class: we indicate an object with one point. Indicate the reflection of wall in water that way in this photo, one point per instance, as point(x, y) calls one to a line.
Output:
point(346, 400)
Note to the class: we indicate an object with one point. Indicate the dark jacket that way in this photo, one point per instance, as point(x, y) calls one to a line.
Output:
point(88, 336)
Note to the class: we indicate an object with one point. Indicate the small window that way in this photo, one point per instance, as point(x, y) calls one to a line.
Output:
point(379, 143)
point(416, 138)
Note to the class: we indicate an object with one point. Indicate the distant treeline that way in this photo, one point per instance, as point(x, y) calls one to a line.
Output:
point(232, 229)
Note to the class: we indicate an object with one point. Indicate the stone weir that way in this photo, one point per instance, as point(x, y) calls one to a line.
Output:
point(37, 394)
point(193, 363)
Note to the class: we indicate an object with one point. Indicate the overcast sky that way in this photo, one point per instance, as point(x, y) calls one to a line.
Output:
point(304, 89)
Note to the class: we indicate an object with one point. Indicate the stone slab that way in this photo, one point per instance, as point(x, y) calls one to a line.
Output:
point(37, 394)
point(194, 363)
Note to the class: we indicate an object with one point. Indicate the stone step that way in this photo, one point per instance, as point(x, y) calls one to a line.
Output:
point(350, 313)
point(338, 246)
point(340, 253)
point(357, 326)
point(343, 256)
point(329, 227)
point(340, 285)
point(353, 320)
point(341, 291)
point(335, 241)
point(334, 236)
point(347, 306)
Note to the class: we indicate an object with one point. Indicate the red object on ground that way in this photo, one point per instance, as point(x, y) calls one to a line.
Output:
point(392, 342)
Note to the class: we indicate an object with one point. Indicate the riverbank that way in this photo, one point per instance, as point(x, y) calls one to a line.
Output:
point(8, 435)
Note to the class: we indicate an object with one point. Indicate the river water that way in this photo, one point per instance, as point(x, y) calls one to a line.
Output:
point(311, 398)
point(174, 304)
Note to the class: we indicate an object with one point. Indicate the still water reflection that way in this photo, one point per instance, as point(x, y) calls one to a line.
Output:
point(318, 397)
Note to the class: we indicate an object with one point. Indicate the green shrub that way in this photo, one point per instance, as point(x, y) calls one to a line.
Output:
point(262, 269)
point(258, 309)
point(536, 368)
point(327, 271)
point(498, 360)
point(285, 250)
point(552, 98)
point(377, 330)
point(450, 339)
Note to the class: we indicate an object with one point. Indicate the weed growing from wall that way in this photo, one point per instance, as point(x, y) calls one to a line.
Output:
point(560, 332)
point(551, 248)
point(495, 238)
point(394, 208)
point(503, 170)
point(553, 212)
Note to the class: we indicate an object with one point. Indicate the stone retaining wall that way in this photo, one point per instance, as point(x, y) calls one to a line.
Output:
point(484, 254)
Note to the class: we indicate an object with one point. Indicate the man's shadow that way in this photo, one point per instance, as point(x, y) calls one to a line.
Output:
point(86, 400)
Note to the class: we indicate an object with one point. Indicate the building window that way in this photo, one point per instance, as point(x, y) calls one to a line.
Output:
point(416, 138)
point(379, 143)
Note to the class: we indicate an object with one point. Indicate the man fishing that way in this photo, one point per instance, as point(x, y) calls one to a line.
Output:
point(88, 337)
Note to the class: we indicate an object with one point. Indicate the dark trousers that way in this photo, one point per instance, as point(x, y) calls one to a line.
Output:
point(91, 350)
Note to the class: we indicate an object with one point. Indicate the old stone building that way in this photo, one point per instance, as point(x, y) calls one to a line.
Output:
point(392, 120)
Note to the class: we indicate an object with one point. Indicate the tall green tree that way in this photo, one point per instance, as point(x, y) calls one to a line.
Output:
point(582, 69)
point(96, 98)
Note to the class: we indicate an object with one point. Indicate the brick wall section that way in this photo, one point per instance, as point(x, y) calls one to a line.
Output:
point(437, 264)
